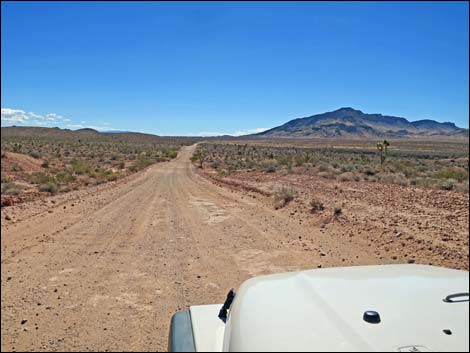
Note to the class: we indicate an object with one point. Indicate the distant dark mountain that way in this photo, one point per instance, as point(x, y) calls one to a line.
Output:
point(352, 123)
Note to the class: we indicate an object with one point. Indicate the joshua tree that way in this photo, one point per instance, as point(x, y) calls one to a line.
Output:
point(382, 147)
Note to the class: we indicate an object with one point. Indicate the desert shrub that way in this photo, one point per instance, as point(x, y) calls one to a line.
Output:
point(326, 175)
point(348, 176)
point(15, 168)
point(65, 188)
point(41, 178)
point(457, 173)
point(112, 176)
point(269, 165)
point(283, 196)
point(400, 179)
point(369, 171)
point(199, 156)
point(45, 164)
point(391, 178)
point(49, 187)
point(172, 154)
point(337, 211)
point(346, 168)
point(79, 167)
point(140, 164)
point(215, 164)
point(10, 188)
point(316, 205)
point(300, 160)
point(35, 154)
point(462, 187)
point(17, 147)
point(121, 165)
point(448, 184)
point(65, 177)
point(223, 173)
point(284, 160)
point(5, 179)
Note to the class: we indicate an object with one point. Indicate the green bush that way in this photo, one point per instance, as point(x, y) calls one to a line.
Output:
point(140, 164)
point(172, 154)
point(41, 178)
point(10, 188)
point(79, 167)
point(65, 177)
point(459, 174)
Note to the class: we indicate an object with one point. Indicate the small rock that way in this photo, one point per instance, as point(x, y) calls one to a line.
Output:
point(411, 261)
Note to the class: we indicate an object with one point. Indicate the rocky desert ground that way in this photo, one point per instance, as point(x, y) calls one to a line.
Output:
point(104, 267)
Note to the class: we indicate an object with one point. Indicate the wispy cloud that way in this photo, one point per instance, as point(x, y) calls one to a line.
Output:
point(235, 133)
point(23, 118)
point(14, 116)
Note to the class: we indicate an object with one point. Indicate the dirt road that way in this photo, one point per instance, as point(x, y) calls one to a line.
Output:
point(105, 268)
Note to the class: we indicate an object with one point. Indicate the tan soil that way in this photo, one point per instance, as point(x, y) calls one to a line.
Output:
point(105, 268)
point(26, 163)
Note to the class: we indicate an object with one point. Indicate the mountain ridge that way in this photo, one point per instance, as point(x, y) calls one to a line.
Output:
point(348, 122)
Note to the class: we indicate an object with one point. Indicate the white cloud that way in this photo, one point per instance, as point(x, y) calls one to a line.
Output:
point(235, 133)
point(14, 115)
point(22, 118)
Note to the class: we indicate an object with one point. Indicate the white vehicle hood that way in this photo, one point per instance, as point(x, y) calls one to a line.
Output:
point(322, 310)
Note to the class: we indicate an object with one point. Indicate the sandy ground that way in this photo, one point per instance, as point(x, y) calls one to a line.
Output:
point(106, 267)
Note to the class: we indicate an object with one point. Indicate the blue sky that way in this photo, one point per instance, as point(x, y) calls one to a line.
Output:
point(200, 68)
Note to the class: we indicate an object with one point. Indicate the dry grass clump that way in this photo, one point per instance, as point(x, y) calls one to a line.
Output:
point(316, 206)
point(283, 196)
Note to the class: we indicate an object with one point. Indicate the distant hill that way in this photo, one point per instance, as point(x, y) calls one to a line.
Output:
point(352, 123)
point(85, 134)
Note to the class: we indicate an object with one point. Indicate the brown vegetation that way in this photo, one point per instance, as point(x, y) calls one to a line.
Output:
point(39, 162)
